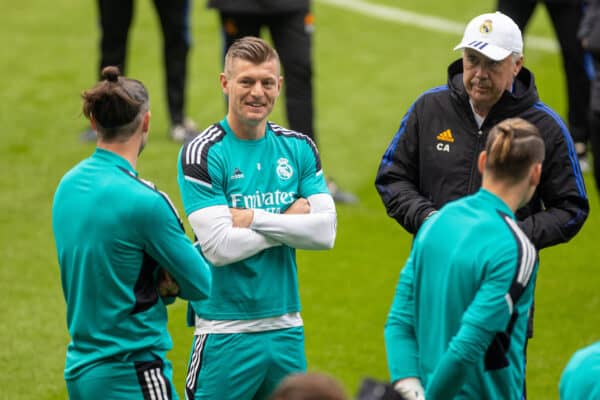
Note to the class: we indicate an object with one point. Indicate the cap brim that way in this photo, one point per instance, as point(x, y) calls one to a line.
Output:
point(489, 50)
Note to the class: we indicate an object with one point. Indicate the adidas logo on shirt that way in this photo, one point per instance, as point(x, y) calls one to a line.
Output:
point(237, 174)
point(446, 136)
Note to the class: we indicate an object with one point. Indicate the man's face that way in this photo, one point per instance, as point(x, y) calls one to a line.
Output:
point(252, 90)
point(485, 79)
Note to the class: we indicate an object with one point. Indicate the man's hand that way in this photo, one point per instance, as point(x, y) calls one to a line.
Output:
point(241, 217)
point(166, 285)
point(410, 389)
point(300, 206)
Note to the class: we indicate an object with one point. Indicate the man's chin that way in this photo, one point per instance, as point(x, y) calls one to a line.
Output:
point(253, 120)
point(480, 97)
point(257, 117)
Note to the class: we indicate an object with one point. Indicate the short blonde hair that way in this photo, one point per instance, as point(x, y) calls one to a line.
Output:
point(249, 48)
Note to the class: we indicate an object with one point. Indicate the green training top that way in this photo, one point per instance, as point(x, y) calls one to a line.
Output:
point(112, 232)
point(270, 173)
point(581, 377)
point(459, 316)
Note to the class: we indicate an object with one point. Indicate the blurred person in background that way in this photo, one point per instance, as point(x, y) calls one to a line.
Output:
point(116, 17)
point(581, 376)
point(308, 386)
point(589, 33)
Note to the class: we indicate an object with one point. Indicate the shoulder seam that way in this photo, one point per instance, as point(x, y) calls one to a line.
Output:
point(160, 193)
point(194, 155)
point(280, 131)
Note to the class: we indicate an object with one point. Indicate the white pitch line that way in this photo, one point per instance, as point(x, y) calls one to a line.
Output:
point(428, 22)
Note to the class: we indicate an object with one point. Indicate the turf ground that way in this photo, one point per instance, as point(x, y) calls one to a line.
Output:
point(368, 72)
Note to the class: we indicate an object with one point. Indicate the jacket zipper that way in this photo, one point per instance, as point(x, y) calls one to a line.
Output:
point(475, 160)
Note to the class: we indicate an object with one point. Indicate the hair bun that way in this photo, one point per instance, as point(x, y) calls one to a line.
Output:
point(111, 73)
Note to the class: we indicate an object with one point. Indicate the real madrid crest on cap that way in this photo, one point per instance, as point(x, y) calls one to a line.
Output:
point(486, 27)
point(284, 170)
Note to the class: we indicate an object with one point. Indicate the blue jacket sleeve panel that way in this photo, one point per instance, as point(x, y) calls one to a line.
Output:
point(400, 340)
point(398, 174)
point(167, 243)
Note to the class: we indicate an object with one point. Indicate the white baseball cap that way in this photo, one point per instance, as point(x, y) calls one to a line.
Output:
point(494, 35)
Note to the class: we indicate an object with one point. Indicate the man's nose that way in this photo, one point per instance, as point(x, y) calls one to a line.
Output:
point(257, 89)
point(481, 70)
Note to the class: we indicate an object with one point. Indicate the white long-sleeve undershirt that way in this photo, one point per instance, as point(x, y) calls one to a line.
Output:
point(224, 244)
point(314, 231)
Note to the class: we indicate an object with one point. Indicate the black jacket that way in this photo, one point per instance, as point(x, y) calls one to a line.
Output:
point(263, 7)
point(432, 160)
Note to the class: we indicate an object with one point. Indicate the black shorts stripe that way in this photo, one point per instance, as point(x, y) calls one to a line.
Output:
point(191, 380)
point(154, 385)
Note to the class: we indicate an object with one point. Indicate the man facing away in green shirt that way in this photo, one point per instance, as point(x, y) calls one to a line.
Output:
point(457, 325)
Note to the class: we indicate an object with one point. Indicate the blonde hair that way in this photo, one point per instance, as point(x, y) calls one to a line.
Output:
point(249, 48)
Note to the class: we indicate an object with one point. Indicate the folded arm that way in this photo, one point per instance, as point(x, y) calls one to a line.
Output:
point(185, 272)
point(221, 242)
point(313, 231)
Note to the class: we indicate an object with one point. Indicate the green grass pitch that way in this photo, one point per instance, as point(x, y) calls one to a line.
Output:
point(368, 72)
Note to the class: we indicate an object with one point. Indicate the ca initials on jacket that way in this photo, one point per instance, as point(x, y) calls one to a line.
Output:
point(444, 140)
point(443, 147)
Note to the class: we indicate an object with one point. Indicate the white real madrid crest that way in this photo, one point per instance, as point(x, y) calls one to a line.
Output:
point(284, 170)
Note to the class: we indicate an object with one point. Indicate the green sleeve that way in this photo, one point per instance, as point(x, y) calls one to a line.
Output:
point(488, 313)
point(167, 243)
point(400, 341)
point(463, 353)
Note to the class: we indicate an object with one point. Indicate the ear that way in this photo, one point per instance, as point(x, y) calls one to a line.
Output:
point(224, 83)
point(93, 123)
point(536, 174)
point(146, 122)
point(517, 66)
point(280, 84)
point(481, 161)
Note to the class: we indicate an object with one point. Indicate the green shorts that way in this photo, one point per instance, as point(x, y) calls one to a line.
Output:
point(125, 380)
point(243, 365)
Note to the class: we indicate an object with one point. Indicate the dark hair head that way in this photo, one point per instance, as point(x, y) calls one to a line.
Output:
point(249, 48)
point(512, 147)
point(308, 386)
point(116, 103)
